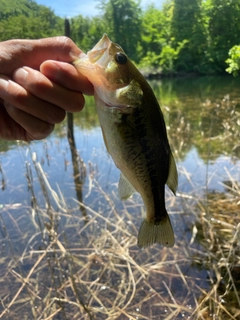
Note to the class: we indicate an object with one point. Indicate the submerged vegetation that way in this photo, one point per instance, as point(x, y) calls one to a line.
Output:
point(84, 271)
point(69, 245)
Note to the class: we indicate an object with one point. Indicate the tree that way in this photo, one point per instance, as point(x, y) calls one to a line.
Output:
point(86, 32)
point(26, 19)
point(187, 24)
point(169, 56)
point(234, 61)
point(124, 24)
point(224, 29)
point(155, 34)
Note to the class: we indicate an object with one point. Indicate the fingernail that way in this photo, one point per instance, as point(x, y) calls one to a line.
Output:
point(20, 75)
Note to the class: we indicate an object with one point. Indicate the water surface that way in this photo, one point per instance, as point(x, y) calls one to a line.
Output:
point(76, 208)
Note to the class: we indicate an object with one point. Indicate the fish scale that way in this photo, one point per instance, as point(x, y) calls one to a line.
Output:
point(134, 133)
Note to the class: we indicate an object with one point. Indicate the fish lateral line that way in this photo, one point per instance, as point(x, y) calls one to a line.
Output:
point(134, 133)
point(119, 107)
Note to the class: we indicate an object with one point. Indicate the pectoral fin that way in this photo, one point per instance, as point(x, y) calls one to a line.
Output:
point(172, 180)
point(125, 189)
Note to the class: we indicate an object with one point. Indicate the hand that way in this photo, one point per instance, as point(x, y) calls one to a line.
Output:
point(37, 86)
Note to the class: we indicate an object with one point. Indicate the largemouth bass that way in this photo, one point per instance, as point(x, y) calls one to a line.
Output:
point(134, 133)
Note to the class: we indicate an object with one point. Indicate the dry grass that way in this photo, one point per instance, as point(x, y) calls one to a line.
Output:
point(79, 260)
point(89, 267)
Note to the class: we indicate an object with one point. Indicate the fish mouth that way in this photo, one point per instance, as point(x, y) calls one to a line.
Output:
point(94, 61)
point(100, 52)
point(99, 49)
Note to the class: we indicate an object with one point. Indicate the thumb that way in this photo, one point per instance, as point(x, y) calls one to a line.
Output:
point(66, 75)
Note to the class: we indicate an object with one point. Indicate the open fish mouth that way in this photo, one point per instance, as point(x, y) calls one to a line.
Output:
point(98, 57)
point(100, 52)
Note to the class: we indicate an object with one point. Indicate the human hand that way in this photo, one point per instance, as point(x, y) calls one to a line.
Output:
point(38, 86)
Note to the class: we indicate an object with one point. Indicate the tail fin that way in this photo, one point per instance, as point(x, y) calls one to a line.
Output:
point(160, 232)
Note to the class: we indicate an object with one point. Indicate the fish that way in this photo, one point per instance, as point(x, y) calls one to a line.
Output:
point(134, 134)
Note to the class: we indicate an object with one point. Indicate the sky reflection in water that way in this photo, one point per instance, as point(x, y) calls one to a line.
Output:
point(197, 113)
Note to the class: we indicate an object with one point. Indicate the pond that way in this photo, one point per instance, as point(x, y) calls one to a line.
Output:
point(69, 245)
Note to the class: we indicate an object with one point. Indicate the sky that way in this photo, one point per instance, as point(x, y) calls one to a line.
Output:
point(71, 8)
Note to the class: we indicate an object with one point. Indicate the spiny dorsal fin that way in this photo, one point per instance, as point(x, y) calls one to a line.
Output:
point(125, 189)
point(172, 180)
point(161, 232)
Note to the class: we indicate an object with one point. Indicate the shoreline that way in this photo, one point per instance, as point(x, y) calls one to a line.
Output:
point(152, 75)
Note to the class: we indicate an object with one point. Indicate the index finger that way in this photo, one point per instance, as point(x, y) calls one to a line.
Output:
point(32, 53)
point(66, 75)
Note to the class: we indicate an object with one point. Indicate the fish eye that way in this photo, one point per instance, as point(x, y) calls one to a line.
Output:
point(120, 58)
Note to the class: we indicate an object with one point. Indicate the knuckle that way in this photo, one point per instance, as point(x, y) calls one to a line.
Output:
point(19, 96)
point(31, 80)
point(77, 103)
point(66, 42)
point(37, 84)
point(41, 133)
point(59, 116)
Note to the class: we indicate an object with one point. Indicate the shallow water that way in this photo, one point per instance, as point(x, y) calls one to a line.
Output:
point(203, 121)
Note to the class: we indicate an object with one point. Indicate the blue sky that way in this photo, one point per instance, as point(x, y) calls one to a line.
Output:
point(70, 8)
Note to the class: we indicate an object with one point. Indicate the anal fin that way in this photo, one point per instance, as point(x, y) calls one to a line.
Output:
point(172, 180)
point(125, 189)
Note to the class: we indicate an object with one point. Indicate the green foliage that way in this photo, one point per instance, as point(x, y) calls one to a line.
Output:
point(26, 19)
point(187, 24)
point(234, 61)
point(86, 32)
point(123, 23)
point(169, 55)
point(155, 47)
point(182, 36)
point(223, 29)
point(155, 30)
point(186, 19)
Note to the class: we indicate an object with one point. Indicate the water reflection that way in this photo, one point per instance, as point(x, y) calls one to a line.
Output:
point(56, 264)
point(79, 168)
